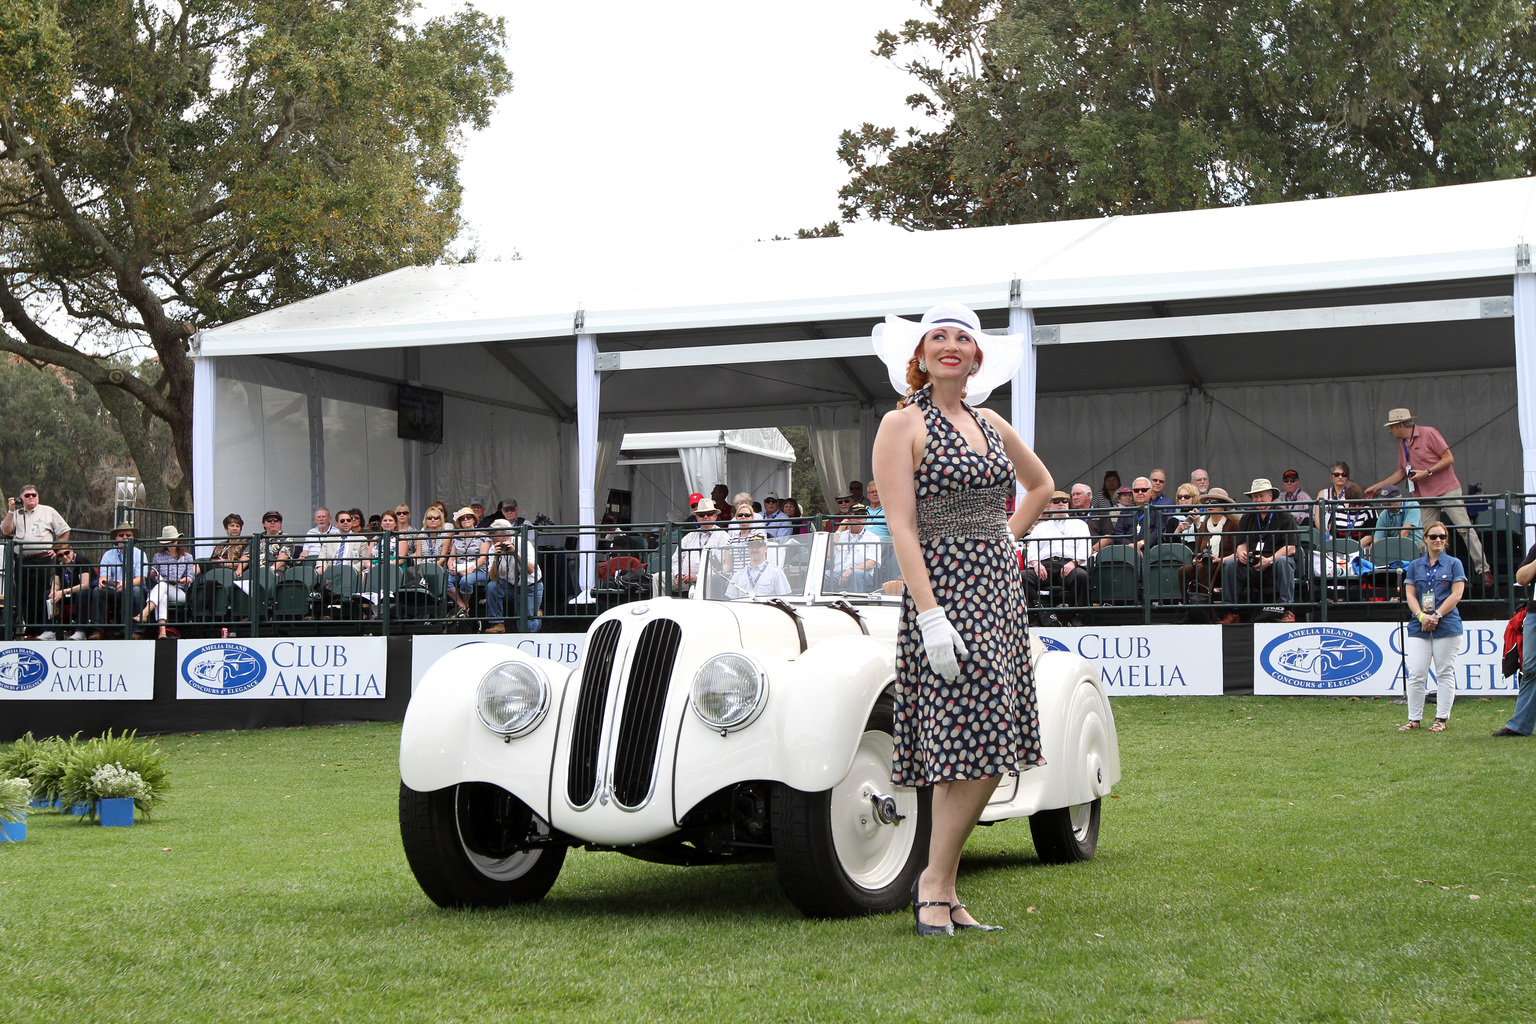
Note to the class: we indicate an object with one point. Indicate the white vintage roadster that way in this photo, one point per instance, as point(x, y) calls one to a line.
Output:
point(712, 728)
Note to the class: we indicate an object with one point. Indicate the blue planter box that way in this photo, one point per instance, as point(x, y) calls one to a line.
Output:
point(13, 831)
point(76, 809)
point(116, 812)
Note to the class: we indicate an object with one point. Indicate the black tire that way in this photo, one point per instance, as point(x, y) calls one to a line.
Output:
point(836, 857)
point(468, 846)
point(1066, 835)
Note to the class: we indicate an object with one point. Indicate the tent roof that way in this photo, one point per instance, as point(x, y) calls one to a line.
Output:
point(765, 441)
point(1451, 233)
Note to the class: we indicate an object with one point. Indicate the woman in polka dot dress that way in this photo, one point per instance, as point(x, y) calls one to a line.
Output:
point(965, 704)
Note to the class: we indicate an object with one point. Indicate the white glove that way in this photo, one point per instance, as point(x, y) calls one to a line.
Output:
point(941, 643)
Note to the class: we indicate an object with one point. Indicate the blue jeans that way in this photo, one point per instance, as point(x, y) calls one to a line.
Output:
point(1276, 585)
point(1523, 720)
point(465, 584)
point(499, 594)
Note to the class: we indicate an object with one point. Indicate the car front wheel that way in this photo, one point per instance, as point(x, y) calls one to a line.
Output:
point(855, 848)
point(476, 845)
point(1064, 835)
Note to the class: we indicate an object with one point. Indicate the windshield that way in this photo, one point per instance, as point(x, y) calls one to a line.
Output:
point(844, 565)
point(743, 570)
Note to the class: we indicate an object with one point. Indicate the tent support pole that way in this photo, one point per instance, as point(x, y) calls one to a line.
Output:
point(1026, 382)
point(1525, 381)
point(588, 396)
point(205, 393)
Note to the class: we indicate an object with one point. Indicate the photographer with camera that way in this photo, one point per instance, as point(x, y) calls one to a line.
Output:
point(512, 560)
point(38, 529)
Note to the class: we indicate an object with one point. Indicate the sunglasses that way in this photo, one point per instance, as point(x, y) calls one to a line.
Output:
point(271, 519)
point(1186, 497)
point(1140, 490)
point(1058, 501)
point(29, 495)
point(1435, 536)
point(1337, 473)
point(744, 515)
point(434, 519)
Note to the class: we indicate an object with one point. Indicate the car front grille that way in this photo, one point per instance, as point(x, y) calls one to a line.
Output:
point(587, 731)
point(645, 699)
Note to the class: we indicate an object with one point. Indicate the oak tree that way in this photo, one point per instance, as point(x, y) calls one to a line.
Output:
point(167, 165)
point(1056, 109)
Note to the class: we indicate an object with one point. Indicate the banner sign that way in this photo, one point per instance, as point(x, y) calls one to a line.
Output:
point(1365, 659)
point(565, 648)
point(263, 668)
point(84, 670)
point(1145, 660)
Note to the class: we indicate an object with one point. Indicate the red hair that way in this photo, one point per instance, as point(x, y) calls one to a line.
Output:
point(918, 379)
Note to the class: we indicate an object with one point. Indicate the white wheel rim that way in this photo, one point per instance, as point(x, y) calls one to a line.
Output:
point(872, 853)
point(502, 869)
point(1081, 816)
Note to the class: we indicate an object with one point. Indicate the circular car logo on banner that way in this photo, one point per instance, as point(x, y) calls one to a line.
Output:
point(223, 668)
point(1321, 658)
point(1052, 644)
point(22, 668)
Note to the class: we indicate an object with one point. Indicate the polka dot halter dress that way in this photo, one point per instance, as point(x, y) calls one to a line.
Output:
point(983, 723)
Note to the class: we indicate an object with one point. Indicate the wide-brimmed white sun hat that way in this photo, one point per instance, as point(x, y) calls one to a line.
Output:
point(897, 338)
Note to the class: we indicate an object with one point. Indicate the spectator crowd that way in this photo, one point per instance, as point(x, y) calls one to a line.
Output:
point(1244, 551)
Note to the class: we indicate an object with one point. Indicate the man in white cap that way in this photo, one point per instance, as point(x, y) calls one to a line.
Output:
point(1426, 462)
point(689, 560)
point(1264, 565)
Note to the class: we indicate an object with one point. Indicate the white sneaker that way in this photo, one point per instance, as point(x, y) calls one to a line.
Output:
point(78, 634)
point(47, 634)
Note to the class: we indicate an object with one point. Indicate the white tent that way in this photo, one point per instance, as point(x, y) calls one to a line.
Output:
point(1247, 340)
point(660, 469)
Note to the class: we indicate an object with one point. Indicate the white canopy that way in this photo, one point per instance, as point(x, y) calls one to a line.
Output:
point(1246, 339)
point(661, 468)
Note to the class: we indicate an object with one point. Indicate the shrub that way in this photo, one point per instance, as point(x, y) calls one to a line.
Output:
point(129, 755)
point(14, 796)
point(49, 760)
point(16, 760)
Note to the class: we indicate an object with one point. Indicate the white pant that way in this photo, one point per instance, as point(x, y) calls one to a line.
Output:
point(1444, 652)
point(163, 596)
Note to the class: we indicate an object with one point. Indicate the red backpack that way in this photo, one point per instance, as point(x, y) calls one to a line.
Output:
point(1514, 634)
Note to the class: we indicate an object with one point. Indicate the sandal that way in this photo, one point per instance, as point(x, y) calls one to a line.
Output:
point(978, 927)
point(1438, 725)
point(928, 930)
point(1413, 724)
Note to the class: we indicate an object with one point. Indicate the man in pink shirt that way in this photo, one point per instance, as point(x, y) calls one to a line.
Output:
point(1425, 461)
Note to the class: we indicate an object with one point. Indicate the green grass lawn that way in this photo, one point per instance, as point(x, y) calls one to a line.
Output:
point(1264, 859)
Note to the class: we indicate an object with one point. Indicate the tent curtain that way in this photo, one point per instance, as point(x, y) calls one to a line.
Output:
point(834, 434)
point(702, 468)
point(1525, 385)
point(1239, 432)
point(610, 434)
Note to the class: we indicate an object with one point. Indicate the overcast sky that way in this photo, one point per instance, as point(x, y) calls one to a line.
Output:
point(679, 126)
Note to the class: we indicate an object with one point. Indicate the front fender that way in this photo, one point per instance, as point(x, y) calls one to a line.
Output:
point(443, 741)
point(808, 730)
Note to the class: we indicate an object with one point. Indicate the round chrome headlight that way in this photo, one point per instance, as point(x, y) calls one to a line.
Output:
point(512, 698)
point(728, 691)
